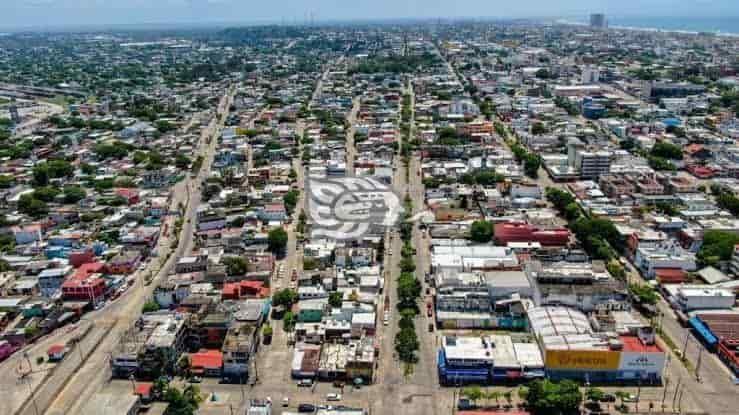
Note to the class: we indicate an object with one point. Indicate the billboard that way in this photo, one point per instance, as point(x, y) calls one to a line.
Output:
point(652, 362)
point(582, 359)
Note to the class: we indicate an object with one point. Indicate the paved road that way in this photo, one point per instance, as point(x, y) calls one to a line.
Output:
point(95, 372)
point(351, 149)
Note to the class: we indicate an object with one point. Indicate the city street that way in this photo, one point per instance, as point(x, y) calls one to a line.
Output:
point(68, 389)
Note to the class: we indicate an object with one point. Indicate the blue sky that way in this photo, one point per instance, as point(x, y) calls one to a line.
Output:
point(40, 13)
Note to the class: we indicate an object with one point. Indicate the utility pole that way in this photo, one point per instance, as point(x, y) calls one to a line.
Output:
point(677, 388)
point(664, 393)
point(685, 346)
point(698, 365)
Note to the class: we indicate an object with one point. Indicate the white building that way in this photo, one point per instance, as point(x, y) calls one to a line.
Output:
point(701, 297)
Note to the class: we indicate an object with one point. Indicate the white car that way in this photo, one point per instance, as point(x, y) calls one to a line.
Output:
point(333, 397)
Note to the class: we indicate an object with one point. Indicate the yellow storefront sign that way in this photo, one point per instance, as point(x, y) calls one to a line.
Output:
point(582, 359)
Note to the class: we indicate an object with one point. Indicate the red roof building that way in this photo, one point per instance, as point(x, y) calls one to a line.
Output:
point(244, 289)
point(82, 256)
point(701, 172)
point(523, 232)
point(634, 344)
point(206, 363)
point(85, 284)
point(131, 195)
point(670, 275)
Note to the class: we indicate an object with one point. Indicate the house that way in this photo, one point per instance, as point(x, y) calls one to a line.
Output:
point(190, 264)
point(125, 262)
point(664, 255)
point(157, 178)
point(207, 363)
point(131, 195)
point(273, 212)
point(50, 280)
point(507, 232)
point(25, 234)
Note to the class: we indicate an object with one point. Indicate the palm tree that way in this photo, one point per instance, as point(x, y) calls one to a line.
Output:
point(494, 395)
point(508, 395)
point(523, 394)
point(473, 393)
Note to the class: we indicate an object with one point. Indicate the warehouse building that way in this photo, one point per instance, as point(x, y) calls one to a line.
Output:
point(700, 297)
point(573, 350)
point(488, 359)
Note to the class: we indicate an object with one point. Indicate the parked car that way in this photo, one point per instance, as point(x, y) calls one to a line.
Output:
point(285, 401)
point(305, 383)
point(306, 408)
point(631, 398)
point(333, 397)
point(608, 398)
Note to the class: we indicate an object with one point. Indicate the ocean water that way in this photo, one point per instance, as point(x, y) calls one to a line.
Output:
point(723, 25)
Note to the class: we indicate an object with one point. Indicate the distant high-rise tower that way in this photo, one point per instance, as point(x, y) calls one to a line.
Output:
point(598, 20)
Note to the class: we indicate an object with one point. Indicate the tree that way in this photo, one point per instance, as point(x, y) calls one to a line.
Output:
point(407, 265)
point(531, 164)
point(667, 150)
point(408, 289)
point(285, 297)
point(594, 394)
point(481, 231)
point(335, 299)
point(538, 128)
point(139, 157)
point(277, 240)
point(182, 161)
point(59, 168)
point(494, 395)
point(288, 321)
point(717, 246)
point(41, 174)
point(164, 126)
point(46, 193)
point(473, 393)
point(559, 198)
point(310, 263)
point(31, 206)
point(546, 397)
point(235, 265)
point(237, 222)
point(73, 194)
point(7, 244)
point(6, 181)
point(182, 403)
point(291, 200)
point(267, 331)
point(150, 306)
point(88, 169)
point(572, 211)
point(508, 396)
point(406, 344)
